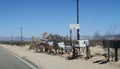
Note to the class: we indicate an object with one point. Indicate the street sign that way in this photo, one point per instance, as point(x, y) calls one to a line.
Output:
point(74, 26)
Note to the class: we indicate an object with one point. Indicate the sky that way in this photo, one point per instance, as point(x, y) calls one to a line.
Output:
point(55, 16)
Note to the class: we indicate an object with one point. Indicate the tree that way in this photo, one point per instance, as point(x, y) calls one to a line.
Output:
point(57, 38)
point(44, 35)
point(97, 36)
point(34, 39)
point(112, 33)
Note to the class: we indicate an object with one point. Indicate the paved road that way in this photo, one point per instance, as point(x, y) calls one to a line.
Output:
point(9, 61)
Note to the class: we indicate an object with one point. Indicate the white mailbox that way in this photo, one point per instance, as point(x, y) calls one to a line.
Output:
point(83, 43)
point(61, 44)
point(50, 43)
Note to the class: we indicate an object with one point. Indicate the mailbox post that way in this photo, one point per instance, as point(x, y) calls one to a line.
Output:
point(116, 45)
point(86, 51)
point(116, 54)
point(107, 44)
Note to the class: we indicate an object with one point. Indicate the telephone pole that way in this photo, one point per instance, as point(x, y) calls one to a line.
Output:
point(78, 30)
point(11, 37)
point(21, 29)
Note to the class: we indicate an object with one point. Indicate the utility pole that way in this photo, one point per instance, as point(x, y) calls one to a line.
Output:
point(11, 37)
point(21, 29)
point(71, 37)
point(78, 30)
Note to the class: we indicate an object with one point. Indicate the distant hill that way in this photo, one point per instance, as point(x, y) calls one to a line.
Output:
point(29, 39)
point(86, 37)
point(14, 39)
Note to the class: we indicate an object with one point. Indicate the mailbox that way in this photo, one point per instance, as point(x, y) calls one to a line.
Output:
point(83, 43)
point(115, 43)
point(112, 44)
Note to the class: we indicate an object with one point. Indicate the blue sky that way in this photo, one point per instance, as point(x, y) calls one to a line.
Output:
point(54, 16)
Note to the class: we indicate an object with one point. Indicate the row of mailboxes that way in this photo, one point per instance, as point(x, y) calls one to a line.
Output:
point(112, 44)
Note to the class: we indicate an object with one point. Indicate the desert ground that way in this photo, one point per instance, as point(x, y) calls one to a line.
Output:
point(45, 61)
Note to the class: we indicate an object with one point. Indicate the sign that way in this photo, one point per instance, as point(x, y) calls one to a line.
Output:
point(74, 26)
point(83, 43)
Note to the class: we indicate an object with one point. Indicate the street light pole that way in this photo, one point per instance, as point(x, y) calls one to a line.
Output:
point(78, 30)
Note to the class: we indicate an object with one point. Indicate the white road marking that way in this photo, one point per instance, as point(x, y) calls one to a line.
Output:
point(20, 59)
point(25, 62)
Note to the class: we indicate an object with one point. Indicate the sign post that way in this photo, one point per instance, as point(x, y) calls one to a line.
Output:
point(72, 27)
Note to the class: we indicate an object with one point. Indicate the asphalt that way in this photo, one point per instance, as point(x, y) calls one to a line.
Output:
point(9, 61)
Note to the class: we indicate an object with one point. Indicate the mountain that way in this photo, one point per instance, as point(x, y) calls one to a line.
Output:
point(4, 38)
point(84, 37)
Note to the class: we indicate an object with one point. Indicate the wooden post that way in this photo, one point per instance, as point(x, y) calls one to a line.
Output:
point(108, 53)
point(73, 51)
point(116, 54)
point(86, 52)
point(71, 37)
